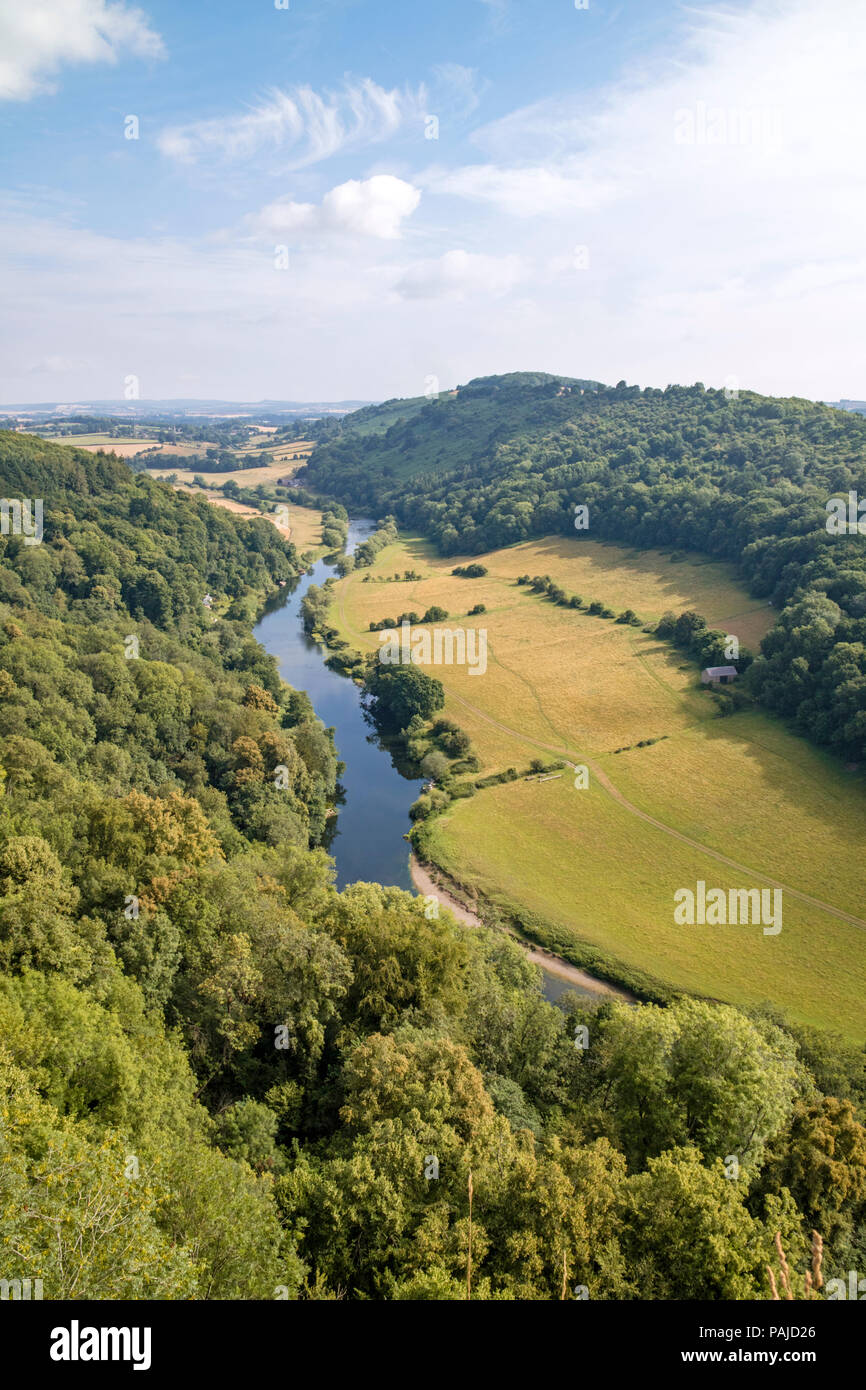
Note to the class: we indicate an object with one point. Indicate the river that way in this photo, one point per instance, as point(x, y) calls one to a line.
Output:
point(367, 839)
point(367, 835)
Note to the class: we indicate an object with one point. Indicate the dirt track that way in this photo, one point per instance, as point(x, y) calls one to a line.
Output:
point(553, 965)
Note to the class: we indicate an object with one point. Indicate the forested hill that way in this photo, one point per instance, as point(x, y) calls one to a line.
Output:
point(744, 479)
point(542, 441)
point(523, 394)
point(113, 540)
point(220, 1078)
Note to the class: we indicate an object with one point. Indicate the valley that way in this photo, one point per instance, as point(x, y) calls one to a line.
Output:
point(591, 873)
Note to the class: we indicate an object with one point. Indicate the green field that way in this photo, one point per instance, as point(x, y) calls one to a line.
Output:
point(597, 869)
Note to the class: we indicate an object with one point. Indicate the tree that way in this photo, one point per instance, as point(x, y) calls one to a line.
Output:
point(403, 691)
point(820, 1157)
point(435, 765)
point(685, 1233)
point(697, 1073)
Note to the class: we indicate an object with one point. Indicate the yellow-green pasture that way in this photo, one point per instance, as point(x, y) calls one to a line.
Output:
point(602, 864)
point(244, 477)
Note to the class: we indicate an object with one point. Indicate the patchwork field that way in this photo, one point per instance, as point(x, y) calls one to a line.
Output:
point(296, 452)
point(177, 451)
point(94, 443)
point(738, 802)
point(282, 467)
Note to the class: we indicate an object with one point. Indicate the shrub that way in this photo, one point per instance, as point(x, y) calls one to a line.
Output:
point(435, 765)
point(470, 571)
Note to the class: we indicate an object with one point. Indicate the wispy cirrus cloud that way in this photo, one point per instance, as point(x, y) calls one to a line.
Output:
point(301, 125)
point(39, 36)
point(497, 11)
point(458, 88)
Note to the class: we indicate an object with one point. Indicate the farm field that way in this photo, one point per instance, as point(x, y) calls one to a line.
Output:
point(93, 443)
point(598, 868)
point(244, 477)
point(177, 451)
point(296, 452)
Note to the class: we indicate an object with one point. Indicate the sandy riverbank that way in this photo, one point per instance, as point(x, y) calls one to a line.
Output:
point(553, 965)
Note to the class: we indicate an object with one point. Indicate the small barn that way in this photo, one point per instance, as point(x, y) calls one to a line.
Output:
point(719, 675)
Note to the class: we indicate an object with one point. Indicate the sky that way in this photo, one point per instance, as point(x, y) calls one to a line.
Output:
point(361, 199)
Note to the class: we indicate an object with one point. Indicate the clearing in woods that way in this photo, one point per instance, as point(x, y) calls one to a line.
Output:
point(282, 467)
point(739, 802)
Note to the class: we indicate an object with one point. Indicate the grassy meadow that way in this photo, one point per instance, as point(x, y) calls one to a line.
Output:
point(596, 869)
point(282, 466)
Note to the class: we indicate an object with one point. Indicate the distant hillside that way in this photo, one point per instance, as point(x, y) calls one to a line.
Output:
point(459, 426)
point(135, 541)
point(552, 437)
point(745, 479)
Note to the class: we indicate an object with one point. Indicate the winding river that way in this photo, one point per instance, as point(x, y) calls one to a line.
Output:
point(367, 839)
point(367, 835)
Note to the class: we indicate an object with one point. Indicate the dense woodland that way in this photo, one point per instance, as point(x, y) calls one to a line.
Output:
point(744, 479)
point(221, 1078)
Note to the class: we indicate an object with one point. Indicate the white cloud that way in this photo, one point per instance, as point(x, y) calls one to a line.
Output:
point(300, 124)
point(459, 274)
point(373, 207)
point(704, 260)
point(521, 192)
point(39, 36)
point(88, 309)
point(717, 194)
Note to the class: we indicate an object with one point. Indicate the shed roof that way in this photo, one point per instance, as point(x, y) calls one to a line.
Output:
point(721, 671)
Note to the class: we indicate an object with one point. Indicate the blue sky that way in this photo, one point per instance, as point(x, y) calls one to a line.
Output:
point(349, 198)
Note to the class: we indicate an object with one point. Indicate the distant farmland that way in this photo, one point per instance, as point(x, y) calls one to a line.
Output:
point(282, 466)
point(94, 443)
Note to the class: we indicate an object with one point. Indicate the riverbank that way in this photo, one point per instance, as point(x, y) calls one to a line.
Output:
point(372, 819)
point(570, 975)
point(367, 836)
